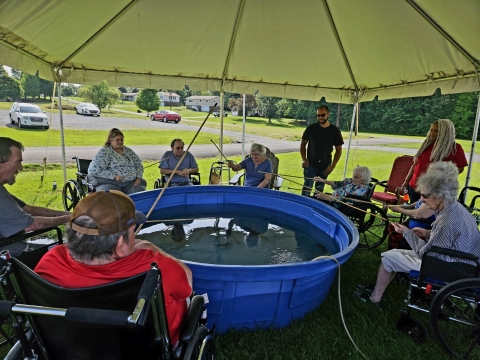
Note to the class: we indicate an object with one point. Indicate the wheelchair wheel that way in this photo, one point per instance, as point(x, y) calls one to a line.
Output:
point(196, 348)
point(158, 184)
point(71, 195)
point(372, 224)
point(413, 328)
point(455, 318)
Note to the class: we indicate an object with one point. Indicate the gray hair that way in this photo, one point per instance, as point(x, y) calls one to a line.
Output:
point(445, 143)
point(364, 172)
point(85, 248)
point(440, 181)
point(5, 145)
point(262, 150)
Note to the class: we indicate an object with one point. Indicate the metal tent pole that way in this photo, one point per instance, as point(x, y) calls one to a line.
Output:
point(243, 128)
point(62, 135)
point(474, 142)
point(350, 139)
point(222, 96)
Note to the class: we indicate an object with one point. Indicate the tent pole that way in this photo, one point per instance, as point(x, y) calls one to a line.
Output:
point(243, 128)
point(62, 135)
point(474, 142)
point(222, 93)
point(350, 139)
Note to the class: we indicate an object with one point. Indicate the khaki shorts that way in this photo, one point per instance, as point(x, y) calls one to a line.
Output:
point(400, 260)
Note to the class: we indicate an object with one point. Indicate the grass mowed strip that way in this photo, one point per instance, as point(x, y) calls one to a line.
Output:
point(44, 138)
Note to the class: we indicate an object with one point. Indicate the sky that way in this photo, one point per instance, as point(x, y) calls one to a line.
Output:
point(8, 69)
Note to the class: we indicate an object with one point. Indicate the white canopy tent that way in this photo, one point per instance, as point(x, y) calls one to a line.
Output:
point(344, 51)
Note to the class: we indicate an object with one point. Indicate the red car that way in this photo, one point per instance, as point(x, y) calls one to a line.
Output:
point(166, 115)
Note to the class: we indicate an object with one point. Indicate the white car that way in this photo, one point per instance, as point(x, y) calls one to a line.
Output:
point(28, 115)
point(88, 109)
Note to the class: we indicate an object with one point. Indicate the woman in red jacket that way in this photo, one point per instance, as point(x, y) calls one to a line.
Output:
point(439, 145)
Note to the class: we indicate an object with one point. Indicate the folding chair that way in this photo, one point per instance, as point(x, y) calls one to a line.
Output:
point(399, 172)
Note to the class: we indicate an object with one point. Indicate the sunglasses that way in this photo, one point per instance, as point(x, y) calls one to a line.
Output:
point(322, 115)
point(425, 196)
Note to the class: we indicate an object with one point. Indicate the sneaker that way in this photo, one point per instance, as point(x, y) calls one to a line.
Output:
point(364, 297)
point(366, 289)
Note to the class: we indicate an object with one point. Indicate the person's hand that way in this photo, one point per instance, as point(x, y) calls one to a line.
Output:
point(322, 196)
point(318, 179)
point(399, 228)
point(184, 172)
point(420, 232)
point(329, 169)
point(137, 181)
point(118, 178)
point(230, 164)
point(305, 163)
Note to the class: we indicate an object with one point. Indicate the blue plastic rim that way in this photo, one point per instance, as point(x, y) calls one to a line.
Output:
point(252, 297)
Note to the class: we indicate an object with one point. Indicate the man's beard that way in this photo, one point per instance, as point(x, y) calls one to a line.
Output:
point(323, 122)
point(12, 180)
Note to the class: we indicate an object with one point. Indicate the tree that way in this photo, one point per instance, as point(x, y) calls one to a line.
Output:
point(69, 90)
point(148, 100)
point(46, 88)
point(16, 74)
point(10, 88)
point(268, 106)
point(122, 89)
point(30, 85)
point(101, 95)
point(463, 115)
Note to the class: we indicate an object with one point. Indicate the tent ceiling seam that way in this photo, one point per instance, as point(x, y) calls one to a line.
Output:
point(339, 41)
point(232, 40)
point(100, 31)
point(446, 35)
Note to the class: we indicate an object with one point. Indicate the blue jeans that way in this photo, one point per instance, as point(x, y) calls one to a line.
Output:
point(311, 172)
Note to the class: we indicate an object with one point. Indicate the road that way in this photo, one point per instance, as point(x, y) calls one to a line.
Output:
point(154, 152)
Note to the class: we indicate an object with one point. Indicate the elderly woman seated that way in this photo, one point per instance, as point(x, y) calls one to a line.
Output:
point(116, 167)
point(454, 228)
point(357, 185)
point(258, 168)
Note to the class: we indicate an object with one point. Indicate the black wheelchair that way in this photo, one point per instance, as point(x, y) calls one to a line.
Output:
point(121, 320)
point(10, 327)
point(371, 220)
point(162, 180)
point(450, 292)
point(472, 207)
point(76, 189)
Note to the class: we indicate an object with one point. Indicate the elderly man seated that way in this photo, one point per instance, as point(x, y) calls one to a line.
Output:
point(102, 248)
point(454, 228)
point(357, 185)
point(170, 161)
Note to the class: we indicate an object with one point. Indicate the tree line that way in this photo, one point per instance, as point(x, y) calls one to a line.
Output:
point(409, 116)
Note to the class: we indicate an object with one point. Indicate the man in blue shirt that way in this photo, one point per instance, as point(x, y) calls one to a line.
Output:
point(170, 161)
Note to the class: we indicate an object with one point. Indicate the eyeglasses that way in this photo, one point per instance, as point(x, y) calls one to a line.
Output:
point(425, 196)
point(322, 115)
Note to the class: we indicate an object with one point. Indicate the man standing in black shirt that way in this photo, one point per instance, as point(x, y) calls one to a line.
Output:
point(321, 138)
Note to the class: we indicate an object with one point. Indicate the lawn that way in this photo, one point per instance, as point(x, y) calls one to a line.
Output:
point(46, 138)
point(320, 335)
point(466, 145)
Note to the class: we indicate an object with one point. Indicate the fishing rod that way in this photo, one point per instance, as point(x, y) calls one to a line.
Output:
point(175, 169)
point(220, 151)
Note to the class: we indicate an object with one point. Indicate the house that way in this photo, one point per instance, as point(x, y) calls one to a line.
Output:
point(203, 103)
point(130, 96)
point(169, 99)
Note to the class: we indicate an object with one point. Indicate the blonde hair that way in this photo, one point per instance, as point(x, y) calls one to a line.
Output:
point(113, 133)
point(445, 143)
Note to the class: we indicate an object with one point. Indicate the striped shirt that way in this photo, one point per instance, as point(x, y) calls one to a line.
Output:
point(454, 228)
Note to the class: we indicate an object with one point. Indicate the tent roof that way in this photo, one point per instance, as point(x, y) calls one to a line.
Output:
point(304, 49)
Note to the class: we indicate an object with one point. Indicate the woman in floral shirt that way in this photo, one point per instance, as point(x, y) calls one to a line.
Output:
point(116, 167)
point(357, 185)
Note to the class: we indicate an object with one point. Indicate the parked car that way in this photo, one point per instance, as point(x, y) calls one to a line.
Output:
point(165, 116)
point(194, 108)
point(217, 113)
point(88, 109)
point(28, 115)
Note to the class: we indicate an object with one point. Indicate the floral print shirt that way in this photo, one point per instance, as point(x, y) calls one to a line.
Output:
point(346, 187)
point(107, 163)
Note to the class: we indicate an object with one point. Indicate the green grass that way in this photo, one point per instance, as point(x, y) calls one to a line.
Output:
point(466, 145)
point(44, 138)
point(320, 335)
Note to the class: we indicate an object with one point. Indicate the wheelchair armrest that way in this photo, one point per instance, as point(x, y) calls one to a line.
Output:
point(356, 197)
point(193, 317)
point(453, 253)
point(236, 178)
point(27, 235)
point(382, 183)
